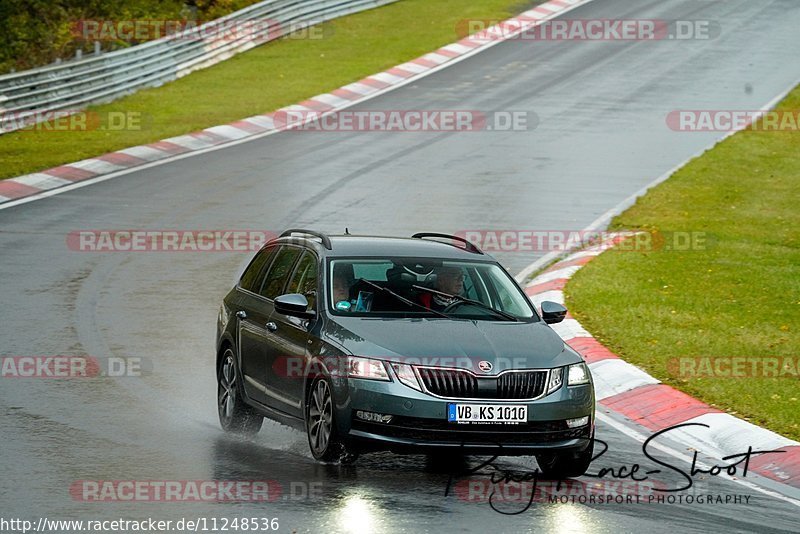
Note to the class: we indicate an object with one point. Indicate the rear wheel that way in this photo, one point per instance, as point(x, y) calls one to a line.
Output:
point(565, 465)
point(323, 437)
point(234, 415)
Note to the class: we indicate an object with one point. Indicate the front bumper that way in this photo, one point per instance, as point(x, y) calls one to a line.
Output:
point(419, 421)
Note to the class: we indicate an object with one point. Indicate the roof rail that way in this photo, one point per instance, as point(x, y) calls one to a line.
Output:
point(326, 241)
point(471, 247)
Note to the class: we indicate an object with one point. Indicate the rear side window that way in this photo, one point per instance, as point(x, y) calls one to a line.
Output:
point(253, 275)
point(304, 280)
point(279, 272)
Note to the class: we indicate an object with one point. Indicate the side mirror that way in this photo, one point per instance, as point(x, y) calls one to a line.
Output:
point(294, 305)
point(553, 312)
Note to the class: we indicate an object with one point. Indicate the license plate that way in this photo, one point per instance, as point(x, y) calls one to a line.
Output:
point(487, 413)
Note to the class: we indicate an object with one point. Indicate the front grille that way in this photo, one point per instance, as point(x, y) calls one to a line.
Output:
point(449, 382)
point(525, 385)
point(462, 384)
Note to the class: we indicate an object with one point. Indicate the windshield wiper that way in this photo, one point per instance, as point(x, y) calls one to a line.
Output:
point(403, 299)
point(468, 301)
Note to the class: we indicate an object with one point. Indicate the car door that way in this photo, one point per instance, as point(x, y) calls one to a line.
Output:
point(287, 351)
point(254, 335)
point(252, 310)
point(274, 284)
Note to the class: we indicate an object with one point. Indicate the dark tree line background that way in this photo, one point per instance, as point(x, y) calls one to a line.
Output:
point(37, 32)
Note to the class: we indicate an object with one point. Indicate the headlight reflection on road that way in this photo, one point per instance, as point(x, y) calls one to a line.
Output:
point(570, 518)
point(358, 515)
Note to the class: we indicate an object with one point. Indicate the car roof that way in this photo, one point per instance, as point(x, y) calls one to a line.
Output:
point(364, 246)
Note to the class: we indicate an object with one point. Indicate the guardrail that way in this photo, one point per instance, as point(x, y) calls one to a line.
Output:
point(28, 96)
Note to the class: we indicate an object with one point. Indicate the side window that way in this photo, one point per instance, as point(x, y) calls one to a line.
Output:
point(252, 276)
point(304, 280)
point(279, 272)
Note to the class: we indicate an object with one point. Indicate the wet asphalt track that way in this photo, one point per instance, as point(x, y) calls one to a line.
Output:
point(601, 136)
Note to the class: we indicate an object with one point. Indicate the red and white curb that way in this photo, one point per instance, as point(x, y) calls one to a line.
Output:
point(631, 392)
point(260, 125)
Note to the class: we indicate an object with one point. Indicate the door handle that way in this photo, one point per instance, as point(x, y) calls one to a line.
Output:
point(271, 326)
point(241, 314)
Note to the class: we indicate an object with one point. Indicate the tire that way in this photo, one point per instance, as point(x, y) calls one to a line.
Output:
point(323, 436)
point(235, 416)
point(557, 466)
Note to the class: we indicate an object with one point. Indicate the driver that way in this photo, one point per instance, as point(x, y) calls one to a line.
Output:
point(341, 291)
point(448, 280)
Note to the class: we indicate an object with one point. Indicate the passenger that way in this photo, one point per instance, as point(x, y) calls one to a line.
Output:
point(448, 280)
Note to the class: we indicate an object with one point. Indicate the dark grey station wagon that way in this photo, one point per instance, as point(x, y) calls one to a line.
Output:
point(415, 345)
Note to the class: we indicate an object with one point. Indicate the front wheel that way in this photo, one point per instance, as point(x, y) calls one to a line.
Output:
point(323, 437)
point(234, 415)
point(559, 466)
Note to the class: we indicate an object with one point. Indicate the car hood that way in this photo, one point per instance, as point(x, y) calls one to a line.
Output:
point(452, 343)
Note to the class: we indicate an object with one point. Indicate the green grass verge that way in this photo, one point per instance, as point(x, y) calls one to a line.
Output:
point(277, 74)
point(736, 295)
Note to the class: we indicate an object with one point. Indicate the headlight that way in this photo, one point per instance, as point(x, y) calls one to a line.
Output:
point(556, 379)
point(405, 374)
point(578, 374)
point(366, 368)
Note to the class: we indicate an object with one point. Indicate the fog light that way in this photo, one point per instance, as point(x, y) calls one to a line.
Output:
point(580, 421)
point(373, 417)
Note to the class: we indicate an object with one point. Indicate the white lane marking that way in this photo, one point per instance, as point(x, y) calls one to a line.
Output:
point(360, 88)
point(146, 153)
point(569, 328)
point(227, 131)
point(297, 107)
point(730, 435)
point(385, 77)
point(613, 376)
point(553, 295)
point(263, 121)
point(190, 142)
point(40, 181)
point(436, 58)
point(566, 272)
point(97, 166)
point(457, 48)
point(416, 68)
point(331, 100)
point(641, 438)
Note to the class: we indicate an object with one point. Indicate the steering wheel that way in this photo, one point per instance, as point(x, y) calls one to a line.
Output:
point(417, 274)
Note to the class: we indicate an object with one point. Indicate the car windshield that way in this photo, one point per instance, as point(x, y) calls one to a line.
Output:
point(419, 287)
